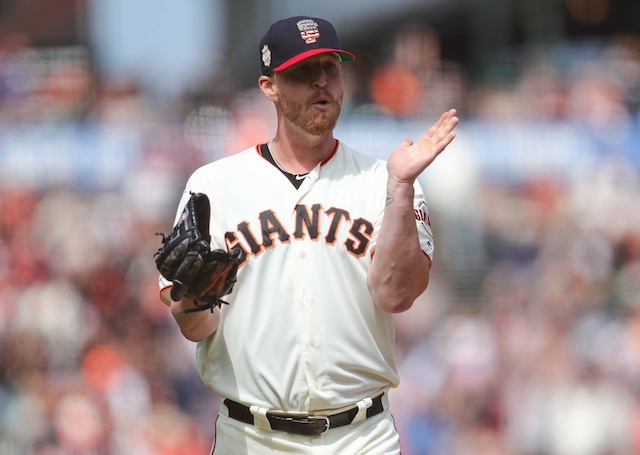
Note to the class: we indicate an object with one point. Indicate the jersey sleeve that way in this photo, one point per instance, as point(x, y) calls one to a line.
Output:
point(423, 222)
point(421, 212)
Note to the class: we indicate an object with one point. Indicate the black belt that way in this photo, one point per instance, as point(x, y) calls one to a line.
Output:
point(306, 426)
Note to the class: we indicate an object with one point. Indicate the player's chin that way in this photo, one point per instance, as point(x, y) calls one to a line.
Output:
point(322, 126)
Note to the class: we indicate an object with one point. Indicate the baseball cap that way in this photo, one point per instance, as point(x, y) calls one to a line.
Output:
point(292, 40)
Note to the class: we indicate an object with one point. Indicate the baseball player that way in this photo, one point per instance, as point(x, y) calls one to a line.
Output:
point(331, 244)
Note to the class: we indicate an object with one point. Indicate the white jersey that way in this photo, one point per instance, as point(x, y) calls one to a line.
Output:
point(301, 332)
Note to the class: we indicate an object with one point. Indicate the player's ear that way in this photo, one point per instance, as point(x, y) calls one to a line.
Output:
point(268, 87)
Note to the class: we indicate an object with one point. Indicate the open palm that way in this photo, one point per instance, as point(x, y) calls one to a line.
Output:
point(411, 158)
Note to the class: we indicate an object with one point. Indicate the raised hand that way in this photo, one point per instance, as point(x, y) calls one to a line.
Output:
point(411, 158)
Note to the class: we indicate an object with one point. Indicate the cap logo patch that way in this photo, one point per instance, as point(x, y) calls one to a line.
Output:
point(308, 30)
point(266, 56)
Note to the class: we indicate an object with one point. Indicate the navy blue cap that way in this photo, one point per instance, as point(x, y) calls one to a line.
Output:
point(292, 40)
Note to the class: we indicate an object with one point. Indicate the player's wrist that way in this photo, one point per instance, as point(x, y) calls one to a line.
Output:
point(185, 303)
point(398, 188)
point(194, 305)
point(191, 303)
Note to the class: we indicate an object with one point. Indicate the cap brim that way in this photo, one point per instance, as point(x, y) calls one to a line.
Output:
point(344, 55)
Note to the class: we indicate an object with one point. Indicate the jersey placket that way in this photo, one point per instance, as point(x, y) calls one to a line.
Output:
point(306, 283)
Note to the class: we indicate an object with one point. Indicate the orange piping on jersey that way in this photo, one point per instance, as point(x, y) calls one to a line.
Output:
point(164, 292)
point(335, 149)
point(429, 259)
point(325, 161)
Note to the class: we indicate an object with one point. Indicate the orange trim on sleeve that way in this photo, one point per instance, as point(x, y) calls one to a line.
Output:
point(165, 294)
point(429, 259)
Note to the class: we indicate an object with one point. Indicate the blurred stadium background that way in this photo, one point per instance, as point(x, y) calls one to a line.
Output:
point(528, 339)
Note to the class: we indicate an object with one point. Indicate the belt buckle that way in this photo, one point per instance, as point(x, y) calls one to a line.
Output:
point(327, 423)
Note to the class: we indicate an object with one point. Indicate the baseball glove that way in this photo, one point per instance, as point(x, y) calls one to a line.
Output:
point(186, 259)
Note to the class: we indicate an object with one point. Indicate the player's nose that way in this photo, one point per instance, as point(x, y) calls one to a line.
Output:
point(320, 82)
point(321, 78)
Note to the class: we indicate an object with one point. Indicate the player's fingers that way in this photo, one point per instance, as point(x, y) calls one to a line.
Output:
point(447, 127)
point(406, 142)
point(448, 119)
point(442, 126)
point(448, 139)
point(452, 122)
point(436, 134)
point(444, 117)
point(442, 141)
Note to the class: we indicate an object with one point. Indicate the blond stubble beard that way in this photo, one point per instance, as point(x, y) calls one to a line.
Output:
point(296, 112)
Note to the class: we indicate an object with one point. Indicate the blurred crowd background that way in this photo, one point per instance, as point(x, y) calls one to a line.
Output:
point(527, 341)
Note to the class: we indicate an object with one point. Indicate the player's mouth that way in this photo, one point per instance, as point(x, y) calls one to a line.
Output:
point(322, 103)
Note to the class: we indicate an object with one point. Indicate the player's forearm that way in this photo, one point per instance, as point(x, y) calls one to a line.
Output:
point(399, 271)
point(195, 326)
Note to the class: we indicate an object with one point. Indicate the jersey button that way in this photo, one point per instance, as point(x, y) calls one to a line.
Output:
point(312, 342)
point(303, 254)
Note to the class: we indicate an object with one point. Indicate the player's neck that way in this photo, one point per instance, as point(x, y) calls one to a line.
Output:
point(301, 156)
